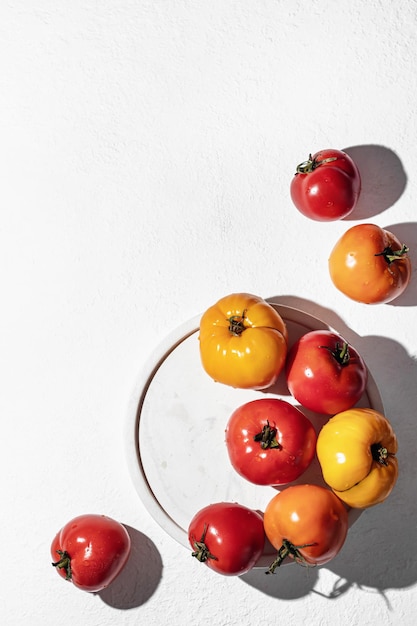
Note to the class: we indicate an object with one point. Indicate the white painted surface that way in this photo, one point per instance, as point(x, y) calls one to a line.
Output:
point(146, 153)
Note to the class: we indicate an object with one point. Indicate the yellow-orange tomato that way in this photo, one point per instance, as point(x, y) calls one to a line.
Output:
point(356, 451)
point(307, 523)
point(243, 342)
point(370, 265)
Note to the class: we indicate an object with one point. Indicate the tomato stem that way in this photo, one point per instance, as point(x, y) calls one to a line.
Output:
point(391, 255)
point(201, 551)
point(306, 167)
point(379, 453)
point(289, 549)
point(236, 324)
point(64, 563)
point(341, 353)
point(267, 437)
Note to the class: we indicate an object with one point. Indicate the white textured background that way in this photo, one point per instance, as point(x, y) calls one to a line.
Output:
point(146, 152)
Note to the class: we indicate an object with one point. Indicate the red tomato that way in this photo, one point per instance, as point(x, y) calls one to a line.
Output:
point(326, 187)
point(270, 442)
point(91, 551)
point(228, 537)
point(307, 523)
point(369, 264)
point(324, 373)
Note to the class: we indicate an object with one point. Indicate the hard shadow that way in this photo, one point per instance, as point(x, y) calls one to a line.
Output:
point(383, 179)
point(140, 577)
point(289, 582)
point(379, 551)
point(406, 233)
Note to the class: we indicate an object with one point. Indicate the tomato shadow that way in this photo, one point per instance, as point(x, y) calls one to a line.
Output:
point(383, 179)
point(406, 233)
point(140, 577)
point(290, 582)
point(379, 551)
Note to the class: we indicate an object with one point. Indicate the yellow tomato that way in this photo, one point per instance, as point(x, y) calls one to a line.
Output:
point(243, 342)
point(356, 450)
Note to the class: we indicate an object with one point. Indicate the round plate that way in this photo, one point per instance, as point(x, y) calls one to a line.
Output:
point(176, 422)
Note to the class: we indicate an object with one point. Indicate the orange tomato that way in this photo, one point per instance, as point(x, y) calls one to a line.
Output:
point(243, 342)
point(370, 265)
point(307, 523)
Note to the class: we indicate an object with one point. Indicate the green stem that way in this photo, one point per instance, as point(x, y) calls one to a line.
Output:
point(64, 563)
point(267, 437)
point(391, 255)
point(201, 551)
point(341, 353)
point(311, 164)
point(236, 324)
point(379, 453)
point(289, 549)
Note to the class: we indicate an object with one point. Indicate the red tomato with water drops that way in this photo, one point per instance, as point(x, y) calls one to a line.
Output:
point(90, 551)
point(324, 373)
point(270, 442)
point(227, 537)
point(326, 187)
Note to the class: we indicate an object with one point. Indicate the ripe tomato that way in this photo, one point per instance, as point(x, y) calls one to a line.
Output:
point(243, 342)
point(270, 442)
point(307, 523)
point(92, 551)
point(228, 537)
point(324, 373)
point(369, 264)
point(356, 451)
point(326, 187)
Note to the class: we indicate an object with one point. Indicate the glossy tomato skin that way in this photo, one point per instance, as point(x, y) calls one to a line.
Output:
point(309, 518)
point(270, 442)
point(90, 551)
point(324, 373)
point(356, 450)
point(327, 186)
point(360, 265)
point(243, 342)
point(232, 535)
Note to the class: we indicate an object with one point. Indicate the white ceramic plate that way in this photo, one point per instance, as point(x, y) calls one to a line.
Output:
point(175, 445)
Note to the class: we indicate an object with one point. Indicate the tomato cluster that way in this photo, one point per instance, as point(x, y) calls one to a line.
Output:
point(368, 263)
point(244, 343)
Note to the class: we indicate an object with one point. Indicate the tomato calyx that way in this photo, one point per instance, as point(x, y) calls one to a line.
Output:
point(340, 353)
point(201, 551)
point(267, 437)
point(380, 454)
point(236, 324)
point(306, 167)
point(391, 255)
point(289, 549)
point(64, 563)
